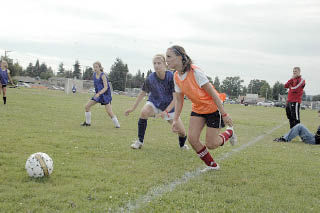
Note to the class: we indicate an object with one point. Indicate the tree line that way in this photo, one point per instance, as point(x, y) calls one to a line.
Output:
point(121, 78)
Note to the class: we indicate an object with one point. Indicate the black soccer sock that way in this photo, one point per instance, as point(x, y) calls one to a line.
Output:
point(142, 126)
point(182, 140)
point(4, 100)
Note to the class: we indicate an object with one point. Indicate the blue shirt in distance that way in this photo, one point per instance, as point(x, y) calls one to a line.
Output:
point(4, 77)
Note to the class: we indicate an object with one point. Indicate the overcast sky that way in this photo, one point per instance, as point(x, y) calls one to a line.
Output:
point(253, 39)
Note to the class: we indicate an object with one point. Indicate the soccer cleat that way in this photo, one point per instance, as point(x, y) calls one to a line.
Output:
point(85, 124)
point(210, 168)
point(281, 139)
point(233, 139)
point(184, 147)
point(115, 122)
point(136, 145)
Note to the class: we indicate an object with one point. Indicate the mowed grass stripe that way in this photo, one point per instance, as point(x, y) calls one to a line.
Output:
point(158, 191)
point(96, 171)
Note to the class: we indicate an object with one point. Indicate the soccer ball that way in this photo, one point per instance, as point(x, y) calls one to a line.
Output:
point(39, 164)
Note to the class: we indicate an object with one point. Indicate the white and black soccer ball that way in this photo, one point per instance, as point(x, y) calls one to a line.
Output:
point(39, 164)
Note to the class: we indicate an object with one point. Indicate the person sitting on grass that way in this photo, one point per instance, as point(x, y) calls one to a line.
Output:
point(301, 131)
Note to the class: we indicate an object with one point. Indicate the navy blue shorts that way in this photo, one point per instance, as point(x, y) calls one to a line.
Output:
point(103, 99)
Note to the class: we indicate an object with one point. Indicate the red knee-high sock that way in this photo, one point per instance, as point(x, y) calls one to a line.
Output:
point(225, 136)
point(206, 157)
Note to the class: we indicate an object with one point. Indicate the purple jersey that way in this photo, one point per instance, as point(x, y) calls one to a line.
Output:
point(4, 76)
point(106, 97)
point(160, 91)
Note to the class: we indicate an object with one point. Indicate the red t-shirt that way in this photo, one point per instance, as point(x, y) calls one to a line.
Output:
point(295, 86)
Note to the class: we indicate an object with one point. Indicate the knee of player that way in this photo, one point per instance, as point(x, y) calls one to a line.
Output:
point(299, 125)
point(144, 114)
point(212, 144)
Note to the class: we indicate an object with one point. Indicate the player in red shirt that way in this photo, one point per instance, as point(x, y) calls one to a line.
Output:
point(295, 86)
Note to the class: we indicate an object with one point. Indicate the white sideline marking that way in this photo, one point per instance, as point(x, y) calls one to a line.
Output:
point(158, 191)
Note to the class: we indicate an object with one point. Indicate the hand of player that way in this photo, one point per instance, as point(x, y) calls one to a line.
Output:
point(227, 120)
point(163, 114)
point(128, 112)
point(97, 95)
point(175, 126)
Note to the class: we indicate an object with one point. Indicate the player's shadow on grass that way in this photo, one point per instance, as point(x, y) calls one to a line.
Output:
point(37, 180)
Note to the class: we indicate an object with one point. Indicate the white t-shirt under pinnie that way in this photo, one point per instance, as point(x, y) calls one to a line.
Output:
point(200, 77)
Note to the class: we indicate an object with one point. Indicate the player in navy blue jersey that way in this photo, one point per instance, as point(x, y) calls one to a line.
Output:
point(102, 96)
point(160, 86)
point(4, 79)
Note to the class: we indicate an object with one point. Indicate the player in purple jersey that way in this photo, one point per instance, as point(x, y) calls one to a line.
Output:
point(160, 87)
point(102, 96)
point(4, 79)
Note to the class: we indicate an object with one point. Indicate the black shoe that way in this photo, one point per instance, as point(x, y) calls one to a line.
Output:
point(85, 124)
point(281, 139)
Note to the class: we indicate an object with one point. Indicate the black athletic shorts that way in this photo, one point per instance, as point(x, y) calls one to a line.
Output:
point(213, 120)
point(4, 85)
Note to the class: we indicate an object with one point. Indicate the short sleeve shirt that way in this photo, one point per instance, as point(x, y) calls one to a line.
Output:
point(160, 91)
point(200, 77)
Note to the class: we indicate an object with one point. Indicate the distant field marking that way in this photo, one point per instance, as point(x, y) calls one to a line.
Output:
point(163, 189)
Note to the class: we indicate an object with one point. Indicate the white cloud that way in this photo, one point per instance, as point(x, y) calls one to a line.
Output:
point(253, 39)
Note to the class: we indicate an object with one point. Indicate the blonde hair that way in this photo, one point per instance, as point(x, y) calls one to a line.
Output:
point(5, 64)
point(161, 56)
point(99, 64)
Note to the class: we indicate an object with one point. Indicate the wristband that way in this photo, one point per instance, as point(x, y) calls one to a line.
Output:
point(225, 115)
point(166, 111)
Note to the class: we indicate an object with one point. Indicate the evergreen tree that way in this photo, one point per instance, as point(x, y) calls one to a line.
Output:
point(43, 68)
point(88, 73)
point(118, 75)
point(36, 69)
point(29, 70)
point(46, 74)
point(61, 70)
point(77, 70)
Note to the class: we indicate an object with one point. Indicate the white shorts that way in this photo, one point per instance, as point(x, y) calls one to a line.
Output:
point(156, 111)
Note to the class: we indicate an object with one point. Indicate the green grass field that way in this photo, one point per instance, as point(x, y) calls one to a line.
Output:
point(96, 171)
